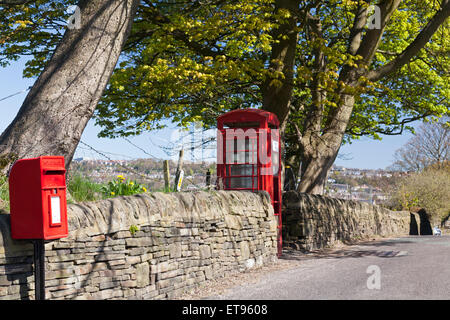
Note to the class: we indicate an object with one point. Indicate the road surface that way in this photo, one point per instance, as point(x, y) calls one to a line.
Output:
point(415, 267)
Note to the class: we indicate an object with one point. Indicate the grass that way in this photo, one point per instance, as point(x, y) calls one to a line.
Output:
point(83, 189)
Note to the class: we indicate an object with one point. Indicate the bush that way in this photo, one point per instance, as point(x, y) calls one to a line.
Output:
point(428, 190)
point(122, 187)
point(83, 189)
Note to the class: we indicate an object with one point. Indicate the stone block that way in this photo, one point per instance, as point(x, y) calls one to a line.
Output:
point(175, 250)
point(245, 249)
point(205, 252)
point(142, 275)
point(233, 222)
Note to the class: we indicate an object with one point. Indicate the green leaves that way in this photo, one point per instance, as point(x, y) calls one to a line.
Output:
point(83, 189)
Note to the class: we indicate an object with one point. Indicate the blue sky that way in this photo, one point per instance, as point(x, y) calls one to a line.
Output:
point(364, 154)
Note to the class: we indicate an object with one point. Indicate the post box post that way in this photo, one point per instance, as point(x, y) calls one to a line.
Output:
point(39, 269)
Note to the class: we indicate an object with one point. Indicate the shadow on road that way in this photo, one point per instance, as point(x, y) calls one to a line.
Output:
point(378, 248)
point(340, 254)
point(352, 250)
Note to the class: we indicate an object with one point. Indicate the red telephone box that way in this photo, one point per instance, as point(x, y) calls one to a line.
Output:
point(248, 155)
point(37, 193)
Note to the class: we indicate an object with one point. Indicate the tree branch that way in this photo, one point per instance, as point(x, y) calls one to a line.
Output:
point(397, 129)
point(358, 27)
point(419, 42)
point(372, 39)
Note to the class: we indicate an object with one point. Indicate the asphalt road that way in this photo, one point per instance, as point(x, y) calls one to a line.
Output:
point(415, 267)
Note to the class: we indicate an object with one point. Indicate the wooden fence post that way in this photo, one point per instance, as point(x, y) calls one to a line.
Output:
point(179, 168)
point(166, 176)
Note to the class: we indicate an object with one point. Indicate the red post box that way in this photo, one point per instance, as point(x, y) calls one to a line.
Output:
point(37, 193)
point(248, 155)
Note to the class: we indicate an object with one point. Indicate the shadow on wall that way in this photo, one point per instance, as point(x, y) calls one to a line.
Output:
point(413, 226)
point(421, 227)
point(425, 225)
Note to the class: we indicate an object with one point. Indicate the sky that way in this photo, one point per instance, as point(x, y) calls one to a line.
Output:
point(363, 154)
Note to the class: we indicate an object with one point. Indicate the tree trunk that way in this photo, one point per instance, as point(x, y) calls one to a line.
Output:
point(314, 172)
point(319, 151)
point(55, 112)
point(276, 90)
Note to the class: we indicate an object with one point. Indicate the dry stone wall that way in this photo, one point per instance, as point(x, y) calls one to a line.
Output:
point(312, 222)
point(150, 246)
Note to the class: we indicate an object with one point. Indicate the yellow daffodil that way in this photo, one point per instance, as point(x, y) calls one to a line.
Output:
point(113, 193)
point(143, 188)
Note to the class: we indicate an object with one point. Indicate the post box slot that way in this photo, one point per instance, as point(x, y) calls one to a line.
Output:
point(52, 172)
point(52, 179)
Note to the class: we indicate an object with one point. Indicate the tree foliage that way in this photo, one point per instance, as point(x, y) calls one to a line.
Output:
point(194, 66)
point(58, 106)
point(191, 61)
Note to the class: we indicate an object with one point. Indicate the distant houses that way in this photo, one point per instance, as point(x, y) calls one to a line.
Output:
point(356, 187)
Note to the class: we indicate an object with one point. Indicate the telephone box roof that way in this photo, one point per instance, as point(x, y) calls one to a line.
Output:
point(248, 118)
